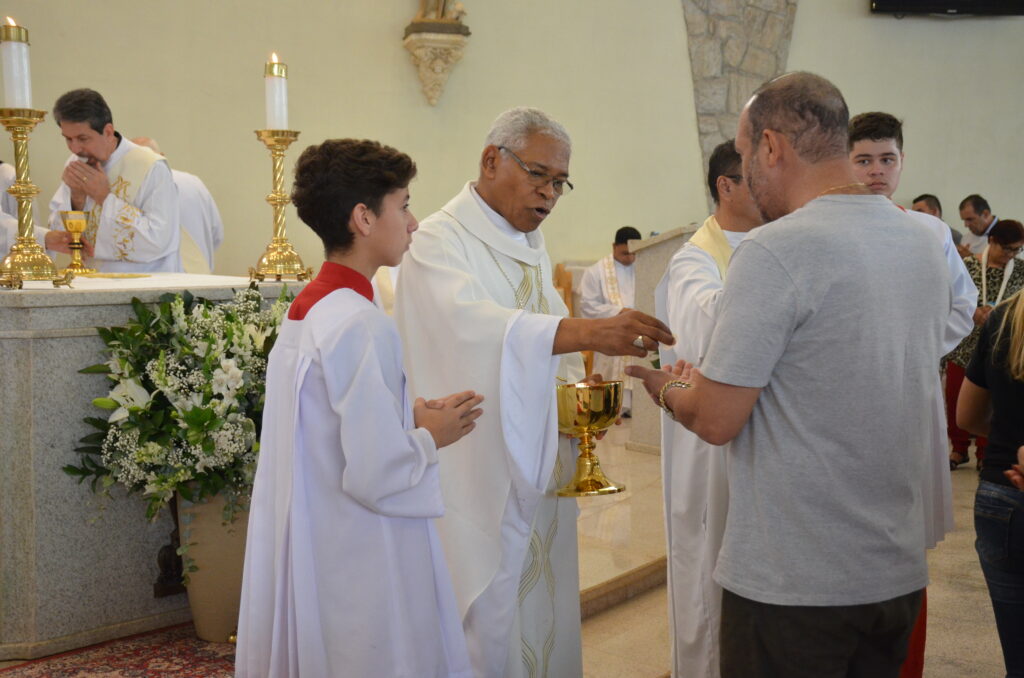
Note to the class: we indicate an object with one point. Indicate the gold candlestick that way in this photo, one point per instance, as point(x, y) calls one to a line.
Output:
point(75, 223)
point(280, 260)
point(27, 260)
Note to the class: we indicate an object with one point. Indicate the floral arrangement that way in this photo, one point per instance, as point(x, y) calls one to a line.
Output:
point(187, 400)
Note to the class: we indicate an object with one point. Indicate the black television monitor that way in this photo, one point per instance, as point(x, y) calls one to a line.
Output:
point(948, 7)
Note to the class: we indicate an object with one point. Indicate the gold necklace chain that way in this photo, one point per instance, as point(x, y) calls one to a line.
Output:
point(839, 188)
point(523, 297)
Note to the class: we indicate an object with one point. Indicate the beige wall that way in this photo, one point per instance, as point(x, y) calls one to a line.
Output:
point(956, 83)
point(189, 73)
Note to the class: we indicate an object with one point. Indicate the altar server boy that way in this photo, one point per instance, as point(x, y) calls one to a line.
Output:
point(344, 574)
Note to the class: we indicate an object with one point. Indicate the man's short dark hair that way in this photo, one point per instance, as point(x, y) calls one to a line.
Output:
point(977, 203)
point(83, 105)
point(333, 177)
point(930, 200)
point(625, 234)
point(808, 109)
point(724, 162)
point(876, 126)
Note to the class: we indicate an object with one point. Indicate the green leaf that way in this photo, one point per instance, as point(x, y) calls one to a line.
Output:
point(93, 438)
point(101, 368)
point(96, 422)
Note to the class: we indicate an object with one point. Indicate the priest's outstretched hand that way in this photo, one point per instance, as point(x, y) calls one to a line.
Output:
point(449, 418)
point(628, 333)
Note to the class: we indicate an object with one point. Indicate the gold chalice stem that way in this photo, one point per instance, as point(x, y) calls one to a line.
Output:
point(75, 223)
point(589, 479)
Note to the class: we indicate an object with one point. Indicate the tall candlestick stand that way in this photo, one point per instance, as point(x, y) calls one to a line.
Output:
point(280, 260)
point(27, 260)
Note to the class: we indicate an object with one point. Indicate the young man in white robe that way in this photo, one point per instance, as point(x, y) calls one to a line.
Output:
point(126, 189)
point(202, 230)
point(344, 573)
point(694, 472)
point(876, 152)
point(607, 288)
point(476, 302)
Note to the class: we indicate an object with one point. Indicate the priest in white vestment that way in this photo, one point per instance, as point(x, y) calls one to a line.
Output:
point(606, 289)
point(202, 230)
point(476, 305)
point(126, 189)
point(344, 572)
point(694, 471)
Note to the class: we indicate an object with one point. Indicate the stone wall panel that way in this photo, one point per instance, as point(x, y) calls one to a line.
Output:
point(734, 45)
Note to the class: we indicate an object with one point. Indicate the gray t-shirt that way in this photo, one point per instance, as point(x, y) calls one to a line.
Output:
point(837, 312)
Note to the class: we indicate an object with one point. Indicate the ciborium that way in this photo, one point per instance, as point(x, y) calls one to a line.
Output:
point(584, 410)
point(75, 222)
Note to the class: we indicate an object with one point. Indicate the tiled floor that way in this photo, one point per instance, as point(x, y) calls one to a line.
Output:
point(632, 640)
point(621, 532)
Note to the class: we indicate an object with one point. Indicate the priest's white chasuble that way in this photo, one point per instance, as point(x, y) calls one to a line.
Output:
point(477, 309)
point(693, 471)
point(137, 226)
point(202, 230)
point(344, 571)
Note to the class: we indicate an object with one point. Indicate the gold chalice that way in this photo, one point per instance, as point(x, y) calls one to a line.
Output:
point(584, 410)
point(75, 223)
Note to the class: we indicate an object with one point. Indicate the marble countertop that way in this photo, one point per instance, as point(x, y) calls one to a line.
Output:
point(92, 291)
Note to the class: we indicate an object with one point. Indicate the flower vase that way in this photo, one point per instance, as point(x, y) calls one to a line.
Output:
point(218, 552)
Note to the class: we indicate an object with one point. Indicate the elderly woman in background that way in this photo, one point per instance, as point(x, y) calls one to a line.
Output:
point(992, 404)
point(998, 276)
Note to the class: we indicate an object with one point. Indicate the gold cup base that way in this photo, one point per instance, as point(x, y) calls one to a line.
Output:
point(280, 261)
point(589, 480)
point(77, 270)
point(28, 261)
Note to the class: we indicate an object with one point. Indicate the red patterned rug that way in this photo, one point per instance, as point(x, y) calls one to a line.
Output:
point(173, 651)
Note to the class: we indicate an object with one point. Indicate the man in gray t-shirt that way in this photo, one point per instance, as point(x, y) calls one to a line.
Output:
point(820, 375)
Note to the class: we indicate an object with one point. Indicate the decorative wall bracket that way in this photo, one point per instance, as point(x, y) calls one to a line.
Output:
point(436, 39)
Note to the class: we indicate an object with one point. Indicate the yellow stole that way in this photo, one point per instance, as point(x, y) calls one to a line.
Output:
point(385, 289)
point(126, 176)
point(712, 240)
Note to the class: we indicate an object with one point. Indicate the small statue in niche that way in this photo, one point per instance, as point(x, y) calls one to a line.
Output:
point(438, 16)
point(445, 11)
point(431, 10)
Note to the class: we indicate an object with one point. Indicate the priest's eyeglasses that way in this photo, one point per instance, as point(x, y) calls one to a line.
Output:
point(539, 179)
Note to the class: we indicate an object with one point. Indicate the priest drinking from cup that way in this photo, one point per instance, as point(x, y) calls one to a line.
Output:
point(475, 303)
point(127, 191)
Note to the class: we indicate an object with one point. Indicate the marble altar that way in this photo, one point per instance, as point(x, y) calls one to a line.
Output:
point(74, 569)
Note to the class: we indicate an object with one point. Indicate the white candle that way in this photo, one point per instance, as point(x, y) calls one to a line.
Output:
point(14, 50)
point(275, 78)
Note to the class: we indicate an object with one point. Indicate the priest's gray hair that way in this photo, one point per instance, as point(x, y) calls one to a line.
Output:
point(512, 127)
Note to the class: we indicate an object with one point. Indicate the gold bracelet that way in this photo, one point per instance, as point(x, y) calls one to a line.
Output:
point(675, 383)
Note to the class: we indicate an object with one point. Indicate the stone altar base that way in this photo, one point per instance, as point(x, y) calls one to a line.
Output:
point(75, 569)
